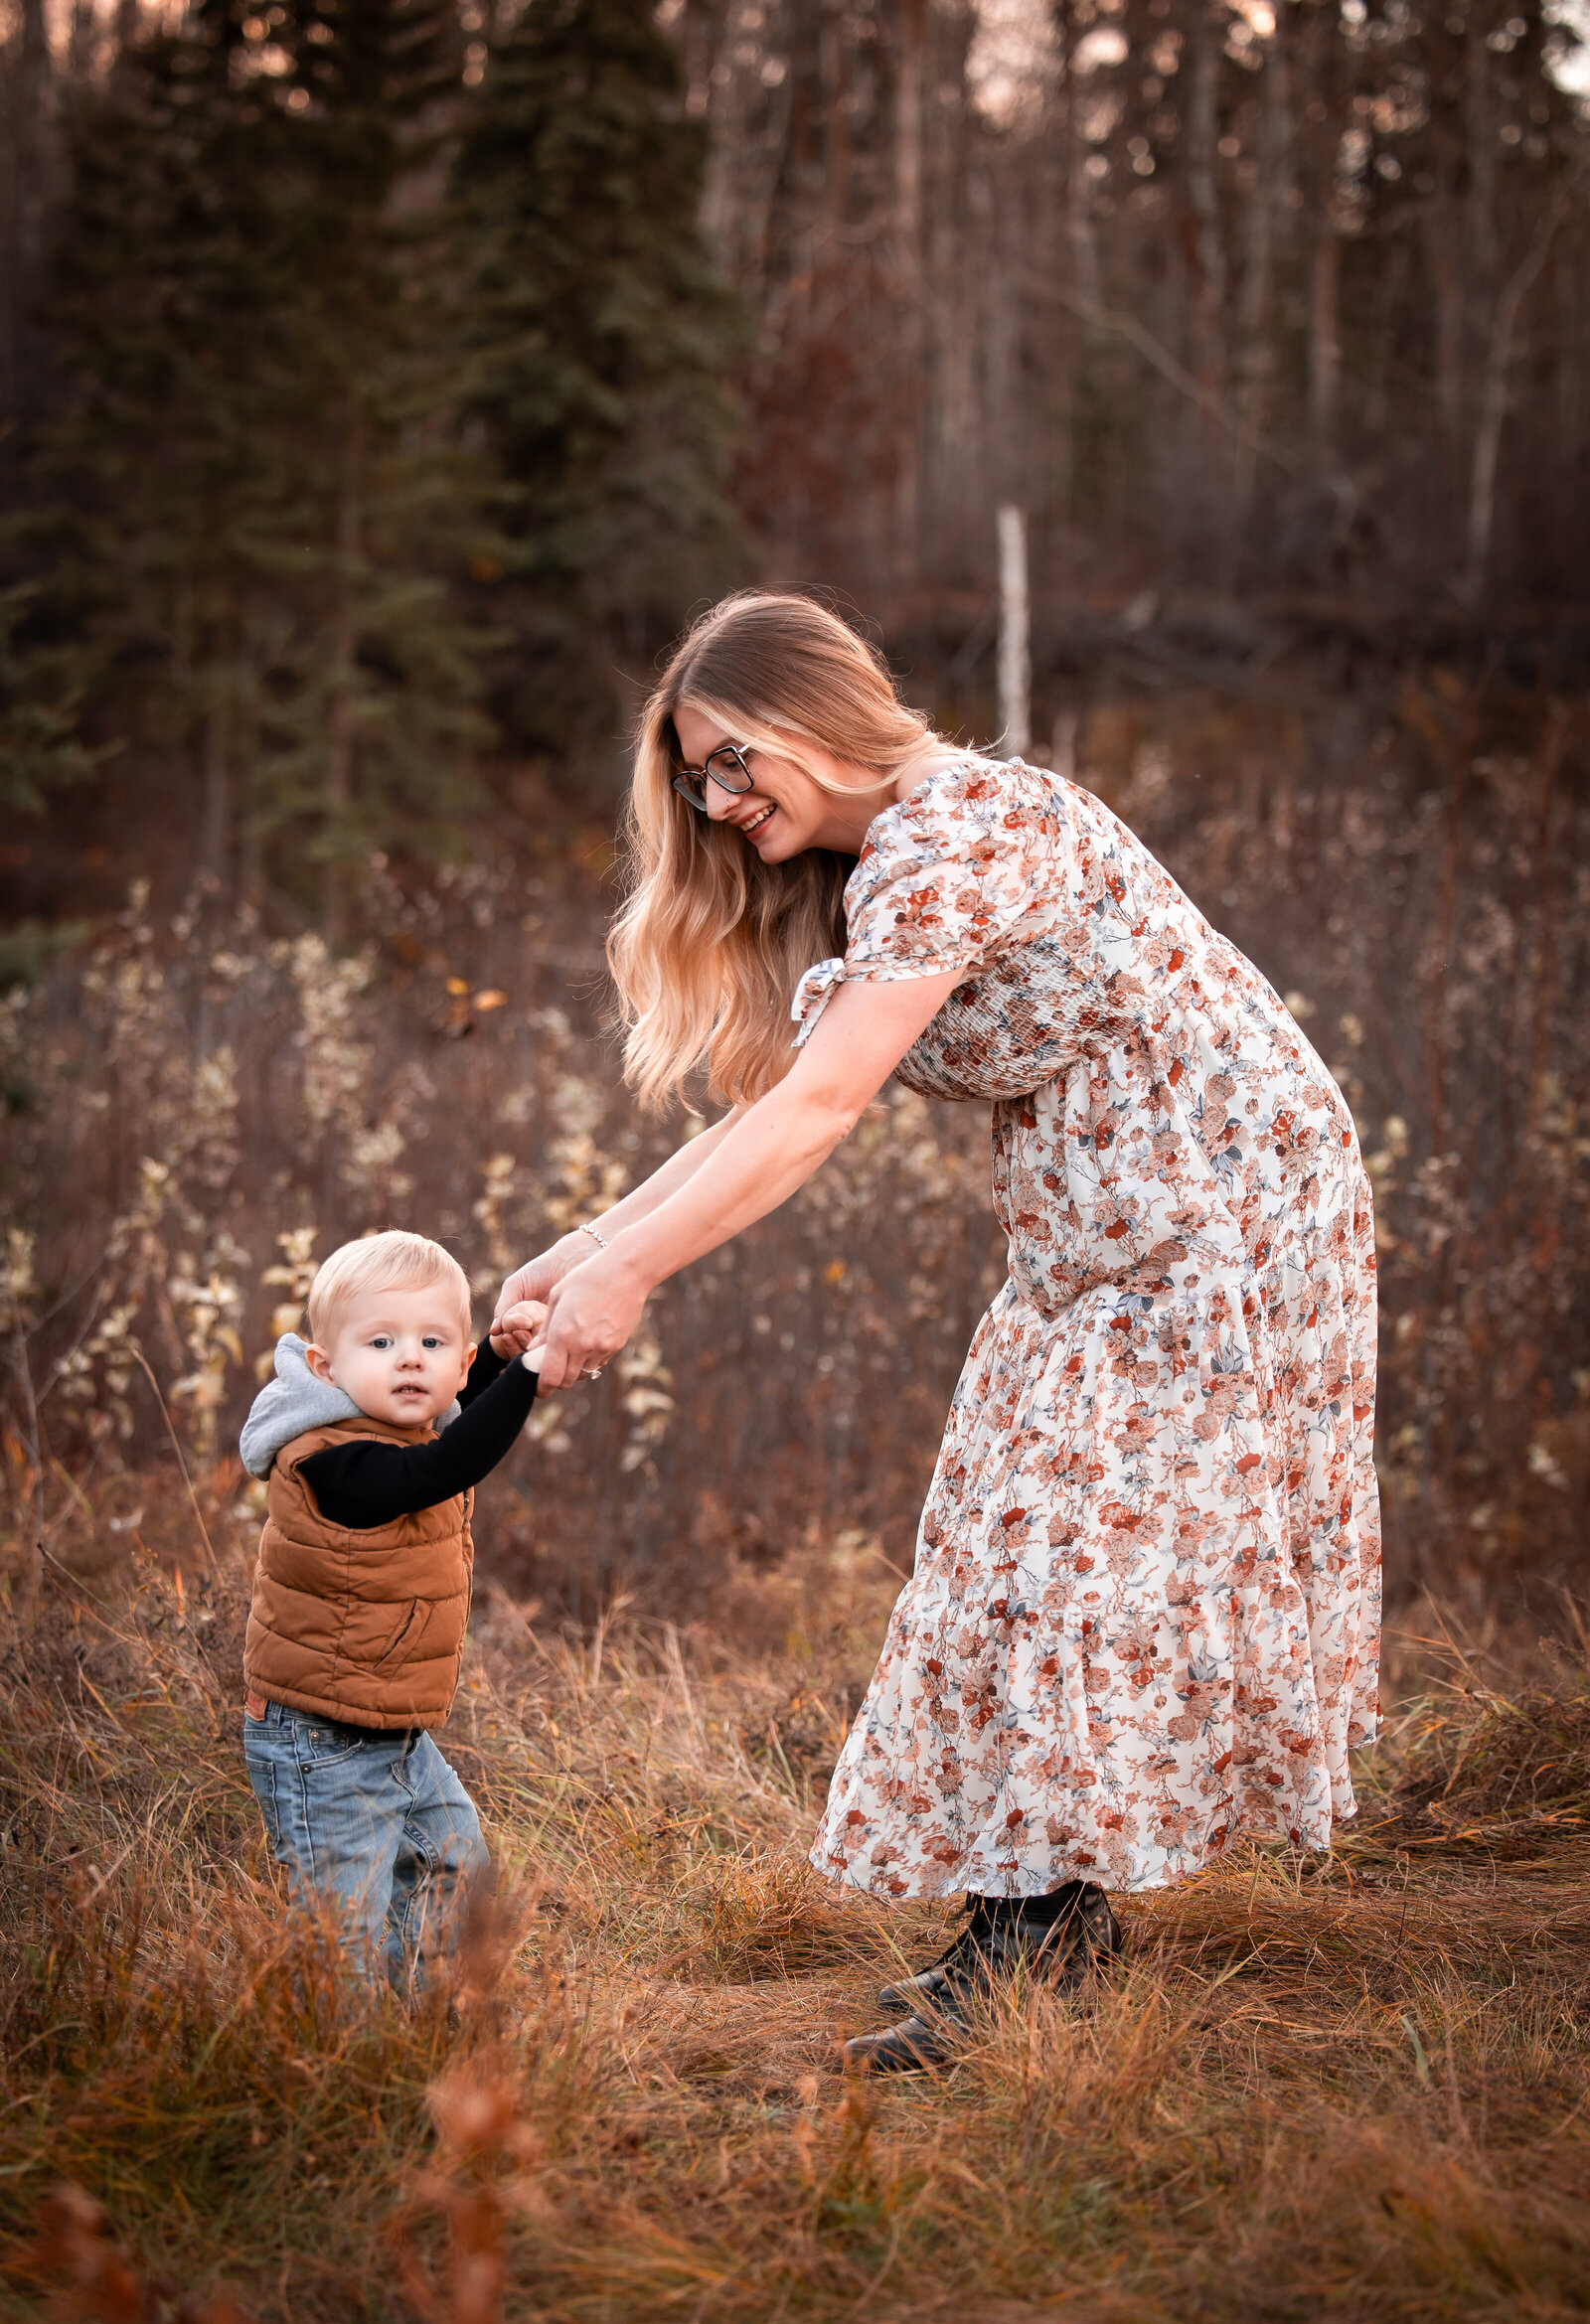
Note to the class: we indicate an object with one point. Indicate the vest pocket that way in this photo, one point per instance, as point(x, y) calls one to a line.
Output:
point(408, 1635)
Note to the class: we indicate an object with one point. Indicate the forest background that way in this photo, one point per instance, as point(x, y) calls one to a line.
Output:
point(383, 383)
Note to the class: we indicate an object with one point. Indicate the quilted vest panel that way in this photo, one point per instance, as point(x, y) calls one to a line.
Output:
point(364, 1626)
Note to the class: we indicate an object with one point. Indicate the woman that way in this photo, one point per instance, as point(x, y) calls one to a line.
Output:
point(1143, 1617)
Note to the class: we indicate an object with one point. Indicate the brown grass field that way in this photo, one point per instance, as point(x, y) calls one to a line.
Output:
point(1350, 2088)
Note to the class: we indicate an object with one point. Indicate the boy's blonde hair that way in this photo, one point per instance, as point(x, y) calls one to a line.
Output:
point(394, 1261)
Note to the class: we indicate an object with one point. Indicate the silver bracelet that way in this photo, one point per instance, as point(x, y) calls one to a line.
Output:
point(586, 1228)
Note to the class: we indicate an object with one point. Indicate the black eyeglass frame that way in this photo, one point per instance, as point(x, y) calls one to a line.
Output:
point(707, 773)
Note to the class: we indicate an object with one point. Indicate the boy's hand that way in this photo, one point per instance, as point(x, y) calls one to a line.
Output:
point(516, 1326)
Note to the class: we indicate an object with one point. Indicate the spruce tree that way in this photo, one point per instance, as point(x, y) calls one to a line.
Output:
point(604, 346)
point(41, 694)
point(154, 494)
point(386, 502)
point(256, 495)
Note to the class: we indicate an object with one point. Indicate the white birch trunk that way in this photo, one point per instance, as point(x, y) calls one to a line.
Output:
point(1016, 657)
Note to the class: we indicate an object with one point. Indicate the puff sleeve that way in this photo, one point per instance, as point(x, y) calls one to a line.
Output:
point(968, 864)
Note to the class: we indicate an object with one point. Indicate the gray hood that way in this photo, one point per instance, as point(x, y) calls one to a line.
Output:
point(288, 1404)
point(293, 1402)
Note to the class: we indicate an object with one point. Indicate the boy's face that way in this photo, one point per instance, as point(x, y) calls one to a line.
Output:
point(402, 1355)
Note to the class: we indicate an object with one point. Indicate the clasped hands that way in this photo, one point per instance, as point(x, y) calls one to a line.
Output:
point(517, 1330)
point(574, 1306)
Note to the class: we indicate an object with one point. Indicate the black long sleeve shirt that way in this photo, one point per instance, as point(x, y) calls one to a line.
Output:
point(368, 1482)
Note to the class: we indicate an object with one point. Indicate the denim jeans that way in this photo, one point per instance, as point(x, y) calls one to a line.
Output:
point(377, 1825)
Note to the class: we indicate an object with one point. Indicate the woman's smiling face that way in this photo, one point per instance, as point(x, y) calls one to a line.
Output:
point(784, 812)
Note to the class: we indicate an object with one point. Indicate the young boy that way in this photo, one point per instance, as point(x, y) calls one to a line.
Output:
point(356, 1629)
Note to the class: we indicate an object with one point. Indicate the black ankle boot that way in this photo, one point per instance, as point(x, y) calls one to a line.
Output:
point(1059, 1937)
point(1062, 1935)
point(1064, 1931)
point(932, 2035)
point(905, 1992)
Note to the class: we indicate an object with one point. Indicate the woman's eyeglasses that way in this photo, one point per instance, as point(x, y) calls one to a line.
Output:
point(725, 766)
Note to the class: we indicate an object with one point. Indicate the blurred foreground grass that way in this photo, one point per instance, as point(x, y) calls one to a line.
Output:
point(1356, 2089)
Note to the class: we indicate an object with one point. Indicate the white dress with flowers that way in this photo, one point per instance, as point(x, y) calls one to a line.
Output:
point(1144, 1613)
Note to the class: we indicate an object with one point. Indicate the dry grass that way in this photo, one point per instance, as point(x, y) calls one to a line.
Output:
point(1357, 2090)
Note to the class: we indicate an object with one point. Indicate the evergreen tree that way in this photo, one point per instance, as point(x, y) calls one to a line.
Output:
point(604, 345)
point(41, 694)
point(387, 503)
point(160, 498)
point(256, 495)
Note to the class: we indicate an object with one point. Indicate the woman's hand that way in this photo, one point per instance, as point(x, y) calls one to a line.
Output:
point(540, 1277)
point(590, 1315)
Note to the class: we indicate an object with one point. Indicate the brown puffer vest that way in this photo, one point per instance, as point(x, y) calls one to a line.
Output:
point(364, 1626)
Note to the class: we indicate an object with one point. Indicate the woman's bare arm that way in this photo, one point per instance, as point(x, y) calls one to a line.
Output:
point(540, 1277)
point(680, 1168)
point(756, 1161)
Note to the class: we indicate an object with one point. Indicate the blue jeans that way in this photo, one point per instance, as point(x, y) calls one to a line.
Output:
point(376, 1825)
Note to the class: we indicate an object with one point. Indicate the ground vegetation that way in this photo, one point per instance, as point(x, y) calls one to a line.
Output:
point(1351, 2087)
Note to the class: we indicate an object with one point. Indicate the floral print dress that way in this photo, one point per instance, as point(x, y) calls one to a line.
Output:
point(1144, 1613)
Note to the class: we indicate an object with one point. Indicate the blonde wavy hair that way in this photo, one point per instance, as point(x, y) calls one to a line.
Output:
point(710, 942)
